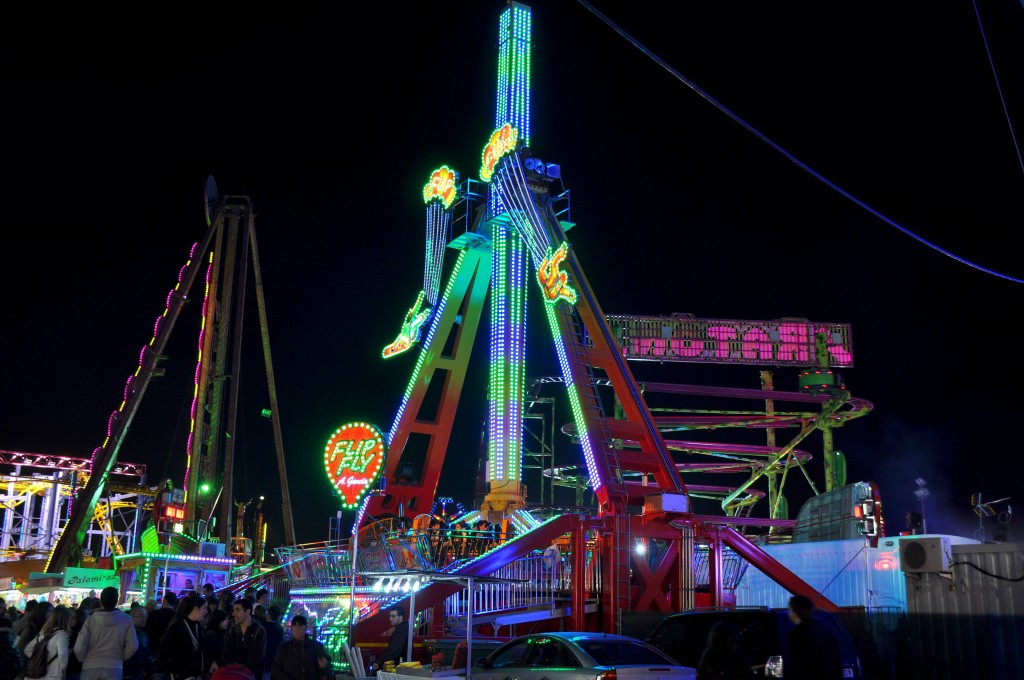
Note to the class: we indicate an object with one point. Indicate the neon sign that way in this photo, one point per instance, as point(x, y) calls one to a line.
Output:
point(441, 186)
point(502, 141)
point(786, 342)
point(354, 457)
point(554, 282)
point(411, 328)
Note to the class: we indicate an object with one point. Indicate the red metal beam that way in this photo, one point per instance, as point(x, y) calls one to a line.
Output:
point(772, 568)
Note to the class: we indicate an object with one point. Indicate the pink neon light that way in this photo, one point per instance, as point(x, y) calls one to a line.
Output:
point(725, 340)
point(839, 353)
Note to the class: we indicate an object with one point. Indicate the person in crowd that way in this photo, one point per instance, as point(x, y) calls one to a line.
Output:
point(54, 634)
point(246, 641)
point(484, 540)
point(182, 651)
point(262, 597)
point(78, 618)
point(250, 594)
point(217, 624)
point(90, 601)
point(5, 620)
point(34, 622)
point(301, 657)
point(436, 538)
point(722, 658)
point(399, 641)
point(150, 606)
point(227, 602)
point(141, 665)
point(158, 621)
point(275, 635)
point(106, 640)
point(17, 625)
point(10, 658)
point(812, 651)
point(211, 598)
point(259, 612)
point(460, 540)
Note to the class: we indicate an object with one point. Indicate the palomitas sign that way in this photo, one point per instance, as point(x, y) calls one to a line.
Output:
point(354, 457)
point(90, 579)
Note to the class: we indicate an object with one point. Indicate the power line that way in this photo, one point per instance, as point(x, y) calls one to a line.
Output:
point(793, 159)
point(999, 87)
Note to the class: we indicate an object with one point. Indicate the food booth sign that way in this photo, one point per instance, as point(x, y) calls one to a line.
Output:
point(354, 458)
point(91, 579)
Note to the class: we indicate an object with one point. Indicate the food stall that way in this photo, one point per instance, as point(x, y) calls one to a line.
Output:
point(148, 575)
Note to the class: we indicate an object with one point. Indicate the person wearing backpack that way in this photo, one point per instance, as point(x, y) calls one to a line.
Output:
point(48, 652)
point(107, 640)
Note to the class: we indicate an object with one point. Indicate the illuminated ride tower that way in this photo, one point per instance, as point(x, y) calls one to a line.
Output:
point(528, 243)
point(497, 246)
point(509, 260)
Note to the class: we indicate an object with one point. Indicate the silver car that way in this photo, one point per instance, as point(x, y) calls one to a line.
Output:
point(579, 656)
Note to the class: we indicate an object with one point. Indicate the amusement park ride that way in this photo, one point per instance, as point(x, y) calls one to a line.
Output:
point(101, 513)
point(644, 547)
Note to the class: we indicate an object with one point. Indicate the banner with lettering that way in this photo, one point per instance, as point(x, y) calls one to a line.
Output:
point(90, 579)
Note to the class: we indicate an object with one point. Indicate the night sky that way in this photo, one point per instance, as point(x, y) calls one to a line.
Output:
point(332, 122)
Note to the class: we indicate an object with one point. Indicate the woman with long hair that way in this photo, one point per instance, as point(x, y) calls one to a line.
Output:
point(216, 631)
point(78, 617)
point(722, 658)
point(34, 623)
point(182, 651)
point(54, 634)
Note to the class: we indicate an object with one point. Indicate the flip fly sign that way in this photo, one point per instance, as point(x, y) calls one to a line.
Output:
point(354, 458)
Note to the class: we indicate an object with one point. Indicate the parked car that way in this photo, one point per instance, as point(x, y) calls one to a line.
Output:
point(579, 656)
point(761, 633)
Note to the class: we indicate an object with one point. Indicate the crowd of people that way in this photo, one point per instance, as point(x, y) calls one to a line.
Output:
point(191, 636)
point(459, 540)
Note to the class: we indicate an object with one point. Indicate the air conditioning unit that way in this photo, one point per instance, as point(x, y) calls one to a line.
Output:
point(929, 554)
point(210, 549)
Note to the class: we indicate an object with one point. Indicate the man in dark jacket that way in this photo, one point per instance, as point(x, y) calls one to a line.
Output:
point(812, 651)
point(246, 641)
point(300, 658)
point(275, 634)
point(398, 645)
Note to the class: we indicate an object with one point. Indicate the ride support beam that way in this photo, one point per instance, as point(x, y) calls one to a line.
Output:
point(458, 314)
point(772, 568)
point(577, 599)
point(68, 550)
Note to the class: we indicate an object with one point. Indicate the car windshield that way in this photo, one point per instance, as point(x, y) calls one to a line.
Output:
point(622, 653)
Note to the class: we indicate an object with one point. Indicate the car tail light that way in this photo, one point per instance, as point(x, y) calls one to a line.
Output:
point(608, 675)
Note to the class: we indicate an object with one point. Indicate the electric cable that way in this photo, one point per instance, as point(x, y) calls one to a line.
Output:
point(987, 573)
point(793, 159)
point(999, 87)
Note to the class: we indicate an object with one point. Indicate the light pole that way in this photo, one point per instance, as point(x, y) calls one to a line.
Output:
point(922, 493)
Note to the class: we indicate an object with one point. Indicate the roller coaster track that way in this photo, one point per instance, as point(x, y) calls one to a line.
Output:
point(837, 408)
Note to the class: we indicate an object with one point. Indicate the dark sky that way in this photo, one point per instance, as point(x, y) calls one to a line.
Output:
point(331, 123)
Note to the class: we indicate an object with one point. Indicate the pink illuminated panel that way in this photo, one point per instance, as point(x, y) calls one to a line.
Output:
point(783, 342)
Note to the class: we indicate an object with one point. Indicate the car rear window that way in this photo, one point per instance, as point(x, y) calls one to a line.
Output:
point(623, 652)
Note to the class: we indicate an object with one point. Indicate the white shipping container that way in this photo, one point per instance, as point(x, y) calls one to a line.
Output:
point(847, 572)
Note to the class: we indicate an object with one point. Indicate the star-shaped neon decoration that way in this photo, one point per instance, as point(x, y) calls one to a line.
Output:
point(554, 283)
